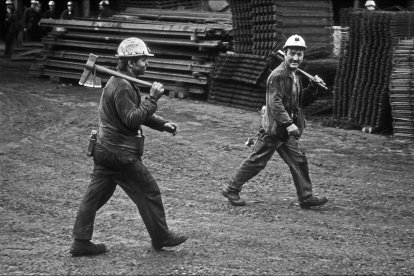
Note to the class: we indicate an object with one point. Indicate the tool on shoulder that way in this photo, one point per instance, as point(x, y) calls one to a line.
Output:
point(89, 78)
point(281, 56)
point(92, 141)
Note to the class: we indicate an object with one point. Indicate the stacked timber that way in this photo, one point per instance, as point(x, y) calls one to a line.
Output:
point(362, 85)
point(269, 22)
point(161, 4)
point(28, 51)
point(191, 16)
point(402, 90)
point(184, 52)
point(238, 80)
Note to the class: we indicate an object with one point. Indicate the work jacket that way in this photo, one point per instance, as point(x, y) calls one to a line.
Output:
point(66, 14)
point(13, 26)
point(282, 107)
point(106, 12)
point(121, 114)
point(51, 14)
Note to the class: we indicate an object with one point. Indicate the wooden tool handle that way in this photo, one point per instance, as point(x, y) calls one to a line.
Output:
point(280, 55)
point(117, 74)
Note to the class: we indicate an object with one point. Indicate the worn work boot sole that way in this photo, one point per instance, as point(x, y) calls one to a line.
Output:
point(313, 202)
point(86, 248)
point(233, 197)
point(172, 241)
point(175, 240)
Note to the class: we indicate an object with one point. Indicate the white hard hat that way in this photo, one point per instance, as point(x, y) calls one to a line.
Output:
point(370, 3)
point(133, 47)
point(295, 41)
point(70, 3)
point(9, 2)
point(33, 1)
point(104, 2)
point(51, 3)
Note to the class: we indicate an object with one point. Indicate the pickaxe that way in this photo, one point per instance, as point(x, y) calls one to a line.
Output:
point(89, 78)
point(280, 55)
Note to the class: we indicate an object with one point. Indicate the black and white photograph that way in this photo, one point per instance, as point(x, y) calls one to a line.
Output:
point(207, 137)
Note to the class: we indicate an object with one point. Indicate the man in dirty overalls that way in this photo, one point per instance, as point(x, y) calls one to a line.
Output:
point(118, 150)
point(282, 125)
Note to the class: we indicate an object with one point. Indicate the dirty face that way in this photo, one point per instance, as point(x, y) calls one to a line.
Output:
point(138, 66)
point(294, 57)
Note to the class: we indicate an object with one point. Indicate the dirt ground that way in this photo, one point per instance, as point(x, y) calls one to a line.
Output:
point(366, 228)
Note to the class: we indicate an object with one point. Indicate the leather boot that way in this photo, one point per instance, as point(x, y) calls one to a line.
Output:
point(172, 240)
point(233, 197)
point(312, 202)
point(86, 247)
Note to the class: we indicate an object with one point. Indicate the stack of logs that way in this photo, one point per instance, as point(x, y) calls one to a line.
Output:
point(184, 52)
point(362, 84)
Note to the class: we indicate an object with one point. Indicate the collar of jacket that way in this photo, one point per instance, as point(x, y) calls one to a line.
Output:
point(133, 84)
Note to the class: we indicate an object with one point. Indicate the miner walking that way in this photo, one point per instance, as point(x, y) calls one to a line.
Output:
point(282, 125)
point(118, 150)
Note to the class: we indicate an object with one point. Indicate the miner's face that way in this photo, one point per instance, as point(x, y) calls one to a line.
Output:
point(294, 57)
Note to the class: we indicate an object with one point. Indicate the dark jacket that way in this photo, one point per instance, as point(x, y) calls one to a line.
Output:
point(121, 114)
point(13, 26)
point(51, 14)
point(105, 13)
point(66, 15)
point(283, 108)
point(28, 17)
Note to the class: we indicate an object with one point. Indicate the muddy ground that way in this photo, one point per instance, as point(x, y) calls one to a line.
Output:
point(367, 227)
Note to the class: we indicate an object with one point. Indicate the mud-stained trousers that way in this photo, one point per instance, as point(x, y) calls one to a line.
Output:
point(290, 151)
point(138, 184)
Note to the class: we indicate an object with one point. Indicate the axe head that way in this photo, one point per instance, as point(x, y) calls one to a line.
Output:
point(88, 77)
point(93, 81)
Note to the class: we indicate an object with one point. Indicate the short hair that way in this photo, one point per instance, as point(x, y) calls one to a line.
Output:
point(123, 63)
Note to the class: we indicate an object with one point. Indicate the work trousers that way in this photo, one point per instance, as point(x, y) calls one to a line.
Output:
point(138, 184)
point(290, 151)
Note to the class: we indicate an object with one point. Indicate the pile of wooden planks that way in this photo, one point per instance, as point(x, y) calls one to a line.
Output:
point(161, 4)
point(402, 90)
point(28, 51)
point(190, 16)
point(184, 52)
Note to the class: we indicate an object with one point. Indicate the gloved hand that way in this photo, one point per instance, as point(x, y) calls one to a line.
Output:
point(171, 128)
point(293, 130)
point(157, 90)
